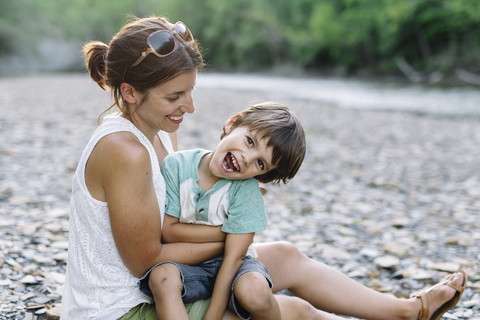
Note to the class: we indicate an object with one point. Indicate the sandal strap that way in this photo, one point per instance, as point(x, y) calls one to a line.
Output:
point(423, 315)
point(455, 286)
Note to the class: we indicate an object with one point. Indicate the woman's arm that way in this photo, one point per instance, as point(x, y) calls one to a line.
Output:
point(123, 168)
point(174, 231)
point(236, 246)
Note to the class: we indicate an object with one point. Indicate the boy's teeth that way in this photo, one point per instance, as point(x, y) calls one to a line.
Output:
point(176, 118)
point(226, 166)
point(234, 161)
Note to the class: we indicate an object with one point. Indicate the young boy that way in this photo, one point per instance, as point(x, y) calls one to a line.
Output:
point(265, 143)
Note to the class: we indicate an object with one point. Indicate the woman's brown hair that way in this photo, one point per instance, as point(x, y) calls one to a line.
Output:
point(110, 65)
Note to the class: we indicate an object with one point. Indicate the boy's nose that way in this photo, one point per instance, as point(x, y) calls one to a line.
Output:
point(247, 158)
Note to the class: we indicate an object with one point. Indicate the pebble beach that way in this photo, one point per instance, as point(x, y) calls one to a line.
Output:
point(390, 198)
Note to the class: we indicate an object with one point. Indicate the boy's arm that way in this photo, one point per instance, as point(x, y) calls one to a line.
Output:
point(236, 246)
point(174, 231)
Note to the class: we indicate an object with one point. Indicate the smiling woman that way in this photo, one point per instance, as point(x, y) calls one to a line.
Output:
point(162, 107)
point(118, 195)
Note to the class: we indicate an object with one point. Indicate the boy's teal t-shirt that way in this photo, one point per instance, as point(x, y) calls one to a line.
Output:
point(235, 204)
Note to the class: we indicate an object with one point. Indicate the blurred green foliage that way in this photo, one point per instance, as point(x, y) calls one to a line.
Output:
point(356, 35)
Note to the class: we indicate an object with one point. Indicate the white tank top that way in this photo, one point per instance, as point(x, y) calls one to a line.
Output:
point(98, 285)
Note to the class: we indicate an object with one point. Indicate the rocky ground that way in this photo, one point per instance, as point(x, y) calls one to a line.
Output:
point(389, 198)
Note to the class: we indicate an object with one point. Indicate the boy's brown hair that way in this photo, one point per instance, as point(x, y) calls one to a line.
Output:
point(285, 134)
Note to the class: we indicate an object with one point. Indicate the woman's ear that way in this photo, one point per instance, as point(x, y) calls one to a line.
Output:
point(128, 93)
point(229, 124)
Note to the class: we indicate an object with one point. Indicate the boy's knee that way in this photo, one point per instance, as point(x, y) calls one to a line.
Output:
point(164, 279)
point(253, 292)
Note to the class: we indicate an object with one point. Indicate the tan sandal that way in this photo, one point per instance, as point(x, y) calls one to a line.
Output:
point(447, 305)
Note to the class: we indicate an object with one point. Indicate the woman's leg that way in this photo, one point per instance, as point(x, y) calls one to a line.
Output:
point(293, 308)
point(329, 290)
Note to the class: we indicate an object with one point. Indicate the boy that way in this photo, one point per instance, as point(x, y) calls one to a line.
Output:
point(265, 142)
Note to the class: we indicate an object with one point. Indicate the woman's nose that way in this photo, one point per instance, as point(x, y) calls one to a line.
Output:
point(188, 105)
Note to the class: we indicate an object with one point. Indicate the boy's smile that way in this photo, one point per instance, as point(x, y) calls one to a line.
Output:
point(230, 163)
point(240, 155)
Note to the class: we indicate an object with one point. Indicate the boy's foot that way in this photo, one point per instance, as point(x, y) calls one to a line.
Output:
point(441, 297)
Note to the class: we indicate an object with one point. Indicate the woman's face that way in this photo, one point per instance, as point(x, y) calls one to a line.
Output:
point(165, 105)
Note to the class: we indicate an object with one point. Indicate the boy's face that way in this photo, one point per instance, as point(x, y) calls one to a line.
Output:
point(241, 155)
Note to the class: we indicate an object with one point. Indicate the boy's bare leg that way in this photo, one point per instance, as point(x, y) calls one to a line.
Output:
point(166, 286)
point(330, 290)
point(254, 294)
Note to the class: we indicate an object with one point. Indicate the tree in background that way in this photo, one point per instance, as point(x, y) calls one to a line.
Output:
point(424, 39)
point(15, 27)
point(427, 40)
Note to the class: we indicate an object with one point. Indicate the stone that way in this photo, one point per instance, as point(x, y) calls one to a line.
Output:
point(28, 280)
point(41, 311)
point(53, 227)
point(465, 240)
point(395, 248)
point(471, 303)
point(335, 253)
point(5, 282)
point(54, 278)
point(451, 240)
point(41, 299)
point(60, 244)
point(40, 259)
point(444, 266)
point(400, 223)
point(17, 268)
point(387, 262)
point(421, 274)
point(53, 313)
point(369, 252)
point(28, 296)
point(61, 256)
point(28, 316)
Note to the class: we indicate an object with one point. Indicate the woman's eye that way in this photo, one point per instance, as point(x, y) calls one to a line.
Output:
point(249, 141)
point(173, 99)
point(260, 164)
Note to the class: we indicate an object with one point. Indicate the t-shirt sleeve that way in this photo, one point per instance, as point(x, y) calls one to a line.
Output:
point(171, 174)
point(246, 211)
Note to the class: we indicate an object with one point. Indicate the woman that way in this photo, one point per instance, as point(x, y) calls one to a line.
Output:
point(118, 198)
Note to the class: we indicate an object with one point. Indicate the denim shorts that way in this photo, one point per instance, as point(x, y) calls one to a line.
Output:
point(198, 281)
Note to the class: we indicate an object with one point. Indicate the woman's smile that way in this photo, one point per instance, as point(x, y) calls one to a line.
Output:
point(176, 119)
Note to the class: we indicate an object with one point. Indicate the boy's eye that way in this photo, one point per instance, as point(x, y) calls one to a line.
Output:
point(249, 141)
point(260, 164)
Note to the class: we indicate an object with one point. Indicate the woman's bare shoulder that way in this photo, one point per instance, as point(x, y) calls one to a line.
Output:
point(119, 153)
point(121, 146)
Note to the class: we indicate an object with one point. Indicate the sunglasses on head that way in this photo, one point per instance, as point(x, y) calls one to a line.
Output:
point(162, 43)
